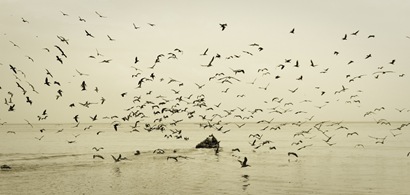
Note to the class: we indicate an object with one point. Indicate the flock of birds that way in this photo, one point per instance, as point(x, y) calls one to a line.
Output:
point(150, 109)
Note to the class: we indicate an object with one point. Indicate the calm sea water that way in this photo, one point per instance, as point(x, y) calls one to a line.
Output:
point(351, 164)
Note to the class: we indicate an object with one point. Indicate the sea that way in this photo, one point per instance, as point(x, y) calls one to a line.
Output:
point(332, 158)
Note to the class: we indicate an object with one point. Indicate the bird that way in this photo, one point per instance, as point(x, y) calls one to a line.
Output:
point(293, 154)
point(355, 33)
point(204, 54)
point(61, 51)
point(24, 20)
point(244, 162)
point(13, 69)
point(118, 159)
point(312, 64)
point(5, 167)
point(210, 63)
point(93, 118)
point(292, 31)
point(223, 26)
point(159, 151)
point(352, 133)
point(368, 56)
point(109, 38)
point(344, 37)
point(83, 86)
point(116, 126)
point(98, 156)
point(59, 59)
point(15, 45)
point(101, 16)
point(81, 19)
point(97, 149)
point(88, 34)
point(76, 118)
point(106, 61)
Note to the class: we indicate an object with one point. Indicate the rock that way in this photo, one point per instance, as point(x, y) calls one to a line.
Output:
point(209, 142)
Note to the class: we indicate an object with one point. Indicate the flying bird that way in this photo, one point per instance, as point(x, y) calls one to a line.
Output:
point(223, 26)
point(244, 162)
point(88, 34)
point(101, 16)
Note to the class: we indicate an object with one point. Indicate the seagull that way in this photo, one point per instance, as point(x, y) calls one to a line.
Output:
point(83, 85)
point(106, 61)
point(101, 16)
point(88, 34)
point(117, 159)
point(355, 33)
point(353, 133)
point(111, 39)
point(116, 126)
point(59, 59)
point(81, 19)
point(5, 167)
point(243, 163)
point(13, 69)
point(24, 20)
point(204, 54)
point(81, 74)
point(292, 153)
point(210, 63)
point(15, 45)
point(223, 26)
point(62, 52)
point(97, 149)
point(98, 156)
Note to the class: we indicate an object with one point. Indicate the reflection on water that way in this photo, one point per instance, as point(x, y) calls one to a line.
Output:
point(245, 181)
point(52, 166)
point(117, 171)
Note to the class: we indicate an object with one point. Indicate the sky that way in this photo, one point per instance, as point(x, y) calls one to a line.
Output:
point(359, 51)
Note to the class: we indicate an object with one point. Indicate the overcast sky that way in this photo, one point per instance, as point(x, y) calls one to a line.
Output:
point(351, 44)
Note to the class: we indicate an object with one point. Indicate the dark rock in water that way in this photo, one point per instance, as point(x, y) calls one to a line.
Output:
point(5, 167)
point(209, 142)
